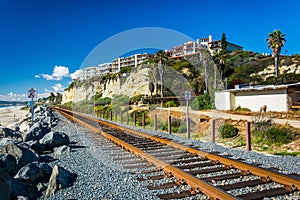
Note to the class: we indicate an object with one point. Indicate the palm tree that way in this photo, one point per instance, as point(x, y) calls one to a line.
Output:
point(161, 58)
point(275, 42)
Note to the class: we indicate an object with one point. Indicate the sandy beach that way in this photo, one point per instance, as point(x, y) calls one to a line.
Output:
point(9, 115)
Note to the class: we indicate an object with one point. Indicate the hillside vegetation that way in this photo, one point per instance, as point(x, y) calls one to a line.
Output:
point(249, 67)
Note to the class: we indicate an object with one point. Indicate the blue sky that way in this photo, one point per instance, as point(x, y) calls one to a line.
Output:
point(54, 37)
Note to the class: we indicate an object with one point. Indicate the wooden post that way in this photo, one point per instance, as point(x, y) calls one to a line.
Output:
point(169, 124)
point(110, 115)
point(143, 120)
point(155, 122)
point(248, 136)
point(127, 118)
point(107, 115)
point(213, 130)
point(116, 116)
point(134, 118)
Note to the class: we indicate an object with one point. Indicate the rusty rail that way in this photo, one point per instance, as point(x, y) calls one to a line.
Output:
point(197, 184)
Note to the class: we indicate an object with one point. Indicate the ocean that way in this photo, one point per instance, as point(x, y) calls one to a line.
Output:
point(4, 104)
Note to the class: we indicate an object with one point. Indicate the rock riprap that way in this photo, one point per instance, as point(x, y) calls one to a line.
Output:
point(25, 150)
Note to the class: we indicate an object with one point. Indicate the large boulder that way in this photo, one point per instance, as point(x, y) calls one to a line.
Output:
point(36, 146)
point(34, 133)
point(55, 139)
point(6, 141)
point(7, 132)
point(34, 172)
point(5, 185)
point(21, 189)
point(22, 155)
point(60, 178)
point(8, 163)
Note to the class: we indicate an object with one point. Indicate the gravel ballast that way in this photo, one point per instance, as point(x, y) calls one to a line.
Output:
point(99, 177)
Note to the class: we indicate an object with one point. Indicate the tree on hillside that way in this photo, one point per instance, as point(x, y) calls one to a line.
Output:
point(276, 41)
point(223, 43)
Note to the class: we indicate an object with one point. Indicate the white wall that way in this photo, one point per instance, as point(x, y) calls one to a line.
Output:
point(222, 100)
point(276, 100)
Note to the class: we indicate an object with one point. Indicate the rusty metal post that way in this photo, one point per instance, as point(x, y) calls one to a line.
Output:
point(134, 118)
point(213, 130)
point(248, 136)
point(110, 115)
point(169, 124)
point(155, 122)
point(143, 120)
point(127, 118)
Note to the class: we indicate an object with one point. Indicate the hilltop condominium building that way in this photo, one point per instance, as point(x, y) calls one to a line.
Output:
point(115, 66)
point(191, 50)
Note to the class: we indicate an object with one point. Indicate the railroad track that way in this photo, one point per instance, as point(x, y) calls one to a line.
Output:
point(200, 174)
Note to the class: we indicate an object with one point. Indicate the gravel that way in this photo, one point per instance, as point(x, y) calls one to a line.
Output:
point(100, 177)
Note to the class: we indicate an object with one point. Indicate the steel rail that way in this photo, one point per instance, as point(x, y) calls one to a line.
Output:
point(290, 183)
point(196, 184)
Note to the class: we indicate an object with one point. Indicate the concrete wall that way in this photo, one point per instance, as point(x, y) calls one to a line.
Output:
point(276, 100)
point(222, 100)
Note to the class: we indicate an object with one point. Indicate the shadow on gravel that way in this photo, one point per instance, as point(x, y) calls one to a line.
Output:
point(73, 146)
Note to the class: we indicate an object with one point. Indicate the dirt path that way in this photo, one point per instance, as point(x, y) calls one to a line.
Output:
point(219, 114)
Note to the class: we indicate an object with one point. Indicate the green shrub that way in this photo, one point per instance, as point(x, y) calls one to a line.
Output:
point(228, 131)
point(139, 118)
point(202, 102)
point(170, 104)
point(174, 126)
point(182, 129)
point(279, 136)
point(103, 101)
point(243, 109)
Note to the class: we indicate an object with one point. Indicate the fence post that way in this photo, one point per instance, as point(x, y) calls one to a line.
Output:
point(213, 130)
point(143, 120)
point(248, 136)
point(127, 118)
point(155, 122)
point(110, 115)
point(134, 118)
point(107, 115)
point(169, 124)
point(116, 116)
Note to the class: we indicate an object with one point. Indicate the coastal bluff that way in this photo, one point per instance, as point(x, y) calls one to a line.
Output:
point(129, 84)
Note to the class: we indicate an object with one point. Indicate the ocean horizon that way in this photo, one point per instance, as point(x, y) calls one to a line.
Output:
point(11, 104)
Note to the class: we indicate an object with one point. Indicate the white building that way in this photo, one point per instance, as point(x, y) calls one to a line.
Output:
point(276, 98)
point(99, 70)
point(192, 49)
point(130, 61)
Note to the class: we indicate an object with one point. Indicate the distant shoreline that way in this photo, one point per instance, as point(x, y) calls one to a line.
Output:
point(11, 106)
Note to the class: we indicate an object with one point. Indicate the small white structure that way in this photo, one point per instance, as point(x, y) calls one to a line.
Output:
point(276, 98)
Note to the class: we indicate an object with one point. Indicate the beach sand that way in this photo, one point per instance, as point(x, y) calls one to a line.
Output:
point(10, 115)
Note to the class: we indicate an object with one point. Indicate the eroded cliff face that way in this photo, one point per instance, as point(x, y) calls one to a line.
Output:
point(283, 69)
point(131, 84)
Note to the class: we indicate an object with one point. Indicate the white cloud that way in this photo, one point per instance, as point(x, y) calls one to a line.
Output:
point(58, 73)
point(58, 87)
point(76, 74)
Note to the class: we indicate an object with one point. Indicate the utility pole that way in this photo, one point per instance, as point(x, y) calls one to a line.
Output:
point(187, 96)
